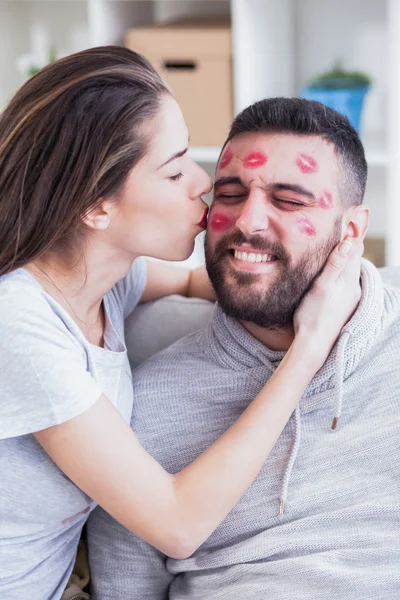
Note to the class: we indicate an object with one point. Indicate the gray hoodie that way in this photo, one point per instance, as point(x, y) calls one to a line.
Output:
point(339, 536)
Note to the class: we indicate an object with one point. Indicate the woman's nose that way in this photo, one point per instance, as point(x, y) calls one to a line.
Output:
point(208, 184)
point(204, 182)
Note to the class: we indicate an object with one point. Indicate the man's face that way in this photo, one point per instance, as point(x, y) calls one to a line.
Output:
point(275, 217)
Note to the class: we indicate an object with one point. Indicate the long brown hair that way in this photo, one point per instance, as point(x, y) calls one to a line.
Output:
point(70, 136)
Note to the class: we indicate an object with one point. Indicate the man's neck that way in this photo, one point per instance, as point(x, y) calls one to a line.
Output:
point(274, 339)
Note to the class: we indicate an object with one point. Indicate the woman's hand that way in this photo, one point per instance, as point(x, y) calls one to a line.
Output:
point(330, 303)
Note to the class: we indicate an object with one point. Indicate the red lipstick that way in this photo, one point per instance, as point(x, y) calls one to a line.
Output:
point(254, 160)
point(203, 222)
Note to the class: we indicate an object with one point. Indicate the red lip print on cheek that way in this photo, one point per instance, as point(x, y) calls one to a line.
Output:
point(219, 222)
point(326, 200)
point(226, 158)
point(306, 227)
point(307, 164)
point(255, 160)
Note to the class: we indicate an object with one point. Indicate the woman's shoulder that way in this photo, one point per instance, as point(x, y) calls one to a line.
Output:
point(21, 299)
point(20, 280)
point(28, 313)
point(44, 377)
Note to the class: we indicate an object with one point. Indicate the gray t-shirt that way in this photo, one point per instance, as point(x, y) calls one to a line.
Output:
point(50, 373)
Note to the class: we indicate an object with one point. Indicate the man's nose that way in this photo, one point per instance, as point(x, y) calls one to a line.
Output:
point(253, 218)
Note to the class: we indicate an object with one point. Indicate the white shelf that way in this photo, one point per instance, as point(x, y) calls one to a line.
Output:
point(376, 150)
point(205, 154)
point(277, 46)
point(377, 157)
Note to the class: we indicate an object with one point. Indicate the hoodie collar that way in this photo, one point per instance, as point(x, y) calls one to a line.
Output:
point(233, 347)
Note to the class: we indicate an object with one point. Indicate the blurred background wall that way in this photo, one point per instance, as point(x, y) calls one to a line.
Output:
point(236, 52)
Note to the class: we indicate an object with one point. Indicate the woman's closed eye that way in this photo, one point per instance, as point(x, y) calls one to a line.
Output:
point(176, 177)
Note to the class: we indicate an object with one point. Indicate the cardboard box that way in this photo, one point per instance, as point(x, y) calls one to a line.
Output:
point(374, 250)
point(195, 58)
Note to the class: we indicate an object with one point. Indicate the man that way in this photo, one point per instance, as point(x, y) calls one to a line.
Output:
point(322, 518)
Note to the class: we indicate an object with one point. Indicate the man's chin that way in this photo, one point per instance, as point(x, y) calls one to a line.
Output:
point(265, 297)
point(252, 307)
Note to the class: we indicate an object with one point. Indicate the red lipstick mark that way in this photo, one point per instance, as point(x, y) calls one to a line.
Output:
point(226, 159)
point(255, 160)
point(307, 164)
point(326, 200)
point(305, 226)
point(69, 520)
point(203, 222)
point(219, 222)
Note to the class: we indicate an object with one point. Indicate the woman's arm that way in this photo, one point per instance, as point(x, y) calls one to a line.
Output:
point(163, 280)
point(176, 513)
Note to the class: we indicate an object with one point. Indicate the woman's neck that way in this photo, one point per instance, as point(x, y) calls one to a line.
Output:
point(80, 283)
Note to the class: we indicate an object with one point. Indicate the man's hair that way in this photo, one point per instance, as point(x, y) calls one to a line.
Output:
point(305, 117)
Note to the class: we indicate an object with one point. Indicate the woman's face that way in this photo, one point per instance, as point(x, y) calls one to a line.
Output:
point(160, 210)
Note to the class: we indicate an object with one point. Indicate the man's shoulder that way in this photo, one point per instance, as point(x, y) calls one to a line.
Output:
point(182, 357)
point(390, 276)
point(169, 380)
point(391, 313)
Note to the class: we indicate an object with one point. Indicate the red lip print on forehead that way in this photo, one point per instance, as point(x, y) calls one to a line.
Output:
point(307, 164)
point(255, 160)
point(226, 158)
point(305, 226)
point(219, 222)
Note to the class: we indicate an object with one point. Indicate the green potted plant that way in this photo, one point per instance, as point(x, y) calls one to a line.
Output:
point(29, 64)
point(341, 90)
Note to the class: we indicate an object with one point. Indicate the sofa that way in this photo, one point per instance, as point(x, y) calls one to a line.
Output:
point(157, 324)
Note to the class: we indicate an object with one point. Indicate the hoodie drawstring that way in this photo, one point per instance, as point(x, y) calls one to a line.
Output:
point(292, 458)
point(339, 376)
point(338, 387)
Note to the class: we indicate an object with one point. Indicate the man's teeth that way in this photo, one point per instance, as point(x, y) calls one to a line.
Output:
point(252, 257)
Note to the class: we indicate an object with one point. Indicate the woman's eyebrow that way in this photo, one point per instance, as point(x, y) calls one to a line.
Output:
point(173, 157)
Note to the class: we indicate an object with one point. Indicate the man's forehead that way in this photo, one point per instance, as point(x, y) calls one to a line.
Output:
point(286, 147)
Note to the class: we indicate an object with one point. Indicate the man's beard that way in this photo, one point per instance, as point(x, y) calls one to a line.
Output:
point(272, 306)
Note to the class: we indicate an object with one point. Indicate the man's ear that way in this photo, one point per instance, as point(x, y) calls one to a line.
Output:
point(99, 217)
point(355, 223)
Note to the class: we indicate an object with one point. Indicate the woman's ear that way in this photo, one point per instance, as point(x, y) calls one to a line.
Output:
point(99, 217)
point(355, 223)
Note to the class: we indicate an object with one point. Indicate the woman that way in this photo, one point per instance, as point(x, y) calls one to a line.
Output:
point(94, 174)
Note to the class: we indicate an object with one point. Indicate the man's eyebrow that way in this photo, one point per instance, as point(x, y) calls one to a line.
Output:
point(173, 157)
point(297, 189)
point(228, 180)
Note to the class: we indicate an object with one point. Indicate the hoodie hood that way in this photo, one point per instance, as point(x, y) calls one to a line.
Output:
point(235, 348)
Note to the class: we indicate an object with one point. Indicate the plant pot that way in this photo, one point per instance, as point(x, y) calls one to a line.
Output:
point(347, 102)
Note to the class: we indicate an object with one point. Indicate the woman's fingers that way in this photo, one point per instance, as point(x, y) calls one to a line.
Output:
point(343, 264)
point(333, 297)
point(337, 261)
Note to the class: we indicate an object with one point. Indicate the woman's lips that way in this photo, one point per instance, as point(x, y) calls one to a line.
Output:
point(203, 222)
